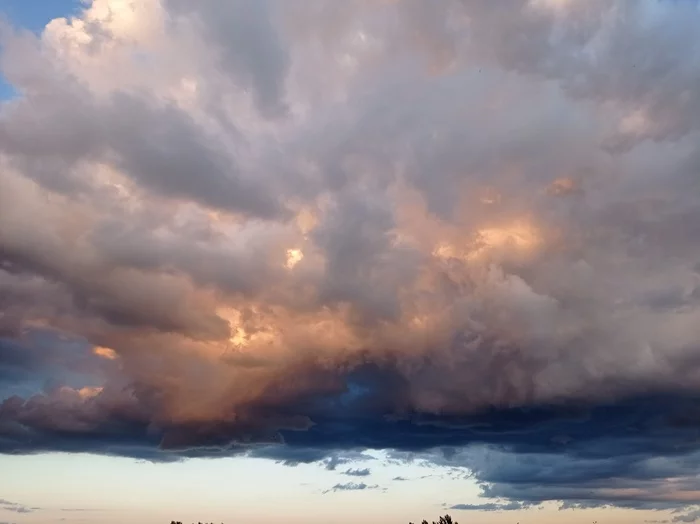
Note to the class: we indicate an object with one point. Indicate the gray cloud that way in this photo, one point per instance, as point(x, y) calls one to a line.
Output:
point(510, 506)
point(364, 472)
point(16, 507)
point(352, 486)
point(159, 147)
point(247, 44)
point(690, 516)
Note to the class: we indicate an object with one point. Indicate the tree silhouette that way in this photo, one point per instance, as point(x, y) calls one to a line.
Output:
point(443, 520)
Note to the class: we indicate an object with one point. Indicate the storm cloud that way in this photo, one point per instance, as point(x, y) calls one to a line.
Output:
point(469, 234)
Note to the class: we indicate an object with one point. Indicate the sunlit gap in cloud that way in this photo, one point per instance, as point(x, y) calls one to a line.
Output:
point(294, 256)
point(107, 353)
point(518, 237)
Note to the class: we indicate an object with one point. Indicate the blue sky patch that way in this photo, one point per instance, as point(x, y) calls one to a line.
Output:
point(33, 15)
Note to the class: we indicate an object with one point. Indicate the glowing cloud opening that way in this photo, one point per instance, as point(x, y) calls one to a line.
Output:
point(106, 353)
point(294, 256)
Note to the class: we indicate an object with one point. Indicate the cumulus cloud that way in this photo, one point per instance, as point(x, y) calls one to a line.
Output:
point(302, 231)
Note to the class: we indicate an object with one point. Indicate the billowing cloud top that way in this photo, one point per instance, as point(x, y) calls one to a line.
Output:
point(296, 229)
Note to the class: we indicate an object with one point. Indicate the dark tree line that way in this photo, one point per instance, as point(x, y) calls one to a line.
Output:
point(178, 522)
point(443, 520)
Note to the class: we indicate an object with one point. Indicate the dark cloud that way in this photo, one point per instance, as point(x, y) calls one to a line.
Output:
point(332, 463)
point(467, 234)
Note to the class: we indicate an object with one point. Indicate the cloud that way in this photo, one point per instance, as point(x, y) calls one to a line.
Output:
point(510, 506)
point(690, 516)
point(357, 472)
point(245, 44)
point(352, 486)
point(466, 234)
point(331, 463)
point(16, 507)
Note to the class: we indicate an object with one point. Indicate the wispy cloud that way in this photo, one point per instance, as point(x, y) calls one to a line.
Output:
point(357, 472)
point(687, 516)
point(354, 486)
point(16, 507)
point(492, 506)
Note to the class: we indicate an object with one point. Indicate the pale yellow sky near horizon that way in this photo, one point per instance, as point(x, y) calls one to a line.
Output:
point(109, 490)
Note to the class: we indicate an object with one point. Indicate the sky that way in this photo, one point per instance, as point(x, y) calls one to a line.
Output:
point(318, 262)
